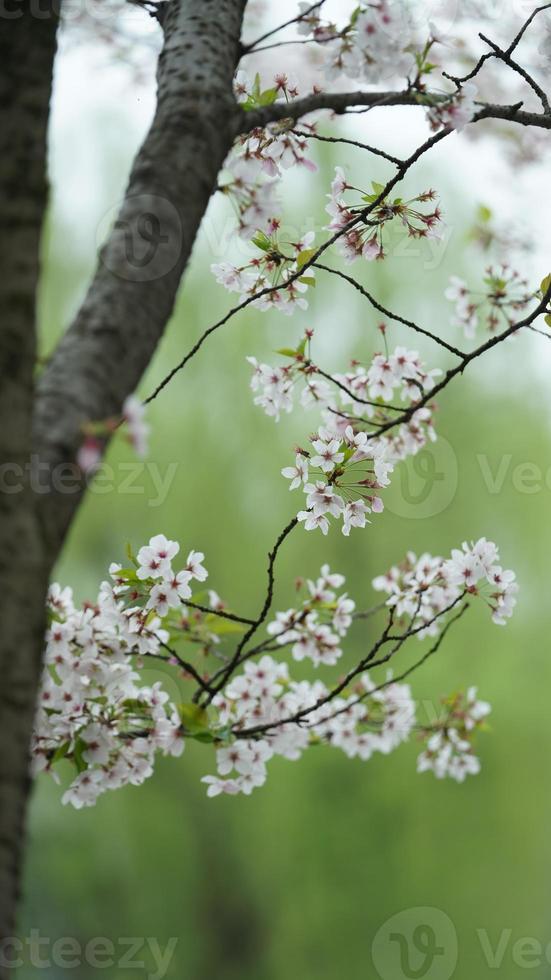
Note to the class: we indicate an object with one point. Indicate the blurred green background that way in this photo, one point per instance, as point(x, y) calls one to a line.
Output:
point(296, 881)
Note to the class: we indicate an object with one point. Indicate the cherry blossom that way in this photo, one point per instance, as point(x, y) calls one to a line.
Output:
point(137, 428)
point(423, 588)
point(457, 111)
point(504, 296)
point(363, 224)
point(275, 266)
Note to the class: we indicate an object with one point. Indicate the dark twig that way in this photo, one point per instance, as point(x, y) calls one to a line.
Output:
point(250, 48)
point(219, 612)
point(227, 671)
point(406, 673)
point(185, 665)
point(348, 142)
point(359, 217)
point(516, 41)
point(391, 316)
point(504, 55)
point(467, 359)
point(506, 58)
point(351, 394)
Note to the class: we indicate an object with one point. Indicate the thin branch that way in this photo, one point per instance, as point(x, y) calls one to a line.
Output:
point(367, 662)
point(406, 673)
point(249, 48)
point(506, 58)
point(368, 613)
point(348, 142)
point(227, 671)
point(505, 55)
point(351, 394)
point(516, 41)
point(459, 80)
point(219, 612)
point(185, 665)
point(426, 656)
point(285, 44)
point(359, 217)
point(468, 358)
point(392, 316)
point(341, 139)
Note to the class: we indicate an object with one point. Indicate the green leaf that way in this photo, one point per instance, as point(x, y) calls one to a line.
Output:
point(203, 737)
point(79, 748)
point(484, 213)
point(304, 257)
point(287, 352)
point(61, 752)
point(378, 189)
point(262, 241)
point(548, 319)
point(194, 718)
point(268, 97)
point(308, 280)
point(130, 553)
point(128, 574)
point(545, 284)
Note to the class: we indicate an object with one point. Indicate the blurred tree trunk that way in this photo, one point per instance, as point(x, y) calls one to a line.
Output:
point(102, 356)
point(27, 48)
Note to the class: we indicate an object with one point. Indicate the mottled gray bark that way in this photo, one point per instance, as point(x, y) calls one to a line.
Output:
point(103, 355)
point(27, 46)
point(107, 348)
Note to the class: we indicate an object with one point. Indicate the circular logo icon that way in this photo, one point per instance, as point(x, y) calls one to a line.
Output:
point(416, 944)
point(146, 238)
point(425, 484)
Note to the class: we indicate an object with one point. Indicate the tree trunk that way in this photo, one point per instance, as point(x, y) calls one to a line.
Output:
point(112, 340)
point(27, 48)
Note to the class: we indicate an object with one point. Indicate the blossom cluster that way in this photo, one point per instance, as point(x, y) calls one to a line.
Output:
point(96, 715)
point(315, 630)
point(400, 374)
point(455, 112)
point(449, 749)
point(260, 157)
point(349, 459)
point(367, 721)
point(337, 458)
point(363, 224)
point(136, 431)
point(375, 44)
point(506, 294)
point(92, 710)
point(275, 268)
point(421, 589)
